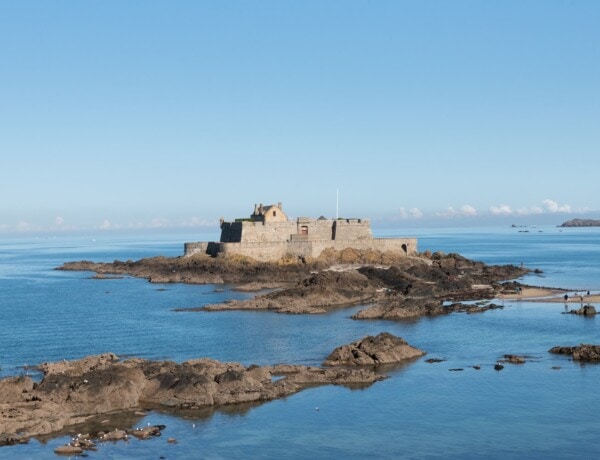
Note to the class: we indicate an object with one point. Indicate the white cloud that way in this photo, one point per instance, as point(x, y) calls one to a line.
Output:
point(553, 206)
point(450, 212)
point(529, 211)
point(414, 213)
point(468, 210)
point(106, 225)
point(59, 221)
point(548, 206)
point(23, 226)
point(159, 222)
point(465, 210)
point(502, 210)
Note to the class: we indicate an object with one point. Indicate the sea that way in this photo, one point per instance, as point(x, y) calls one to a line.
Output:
point(546, 408)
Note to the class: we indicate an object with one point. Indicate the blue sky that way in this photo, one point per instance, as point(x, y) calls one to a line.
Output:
point(118, 114)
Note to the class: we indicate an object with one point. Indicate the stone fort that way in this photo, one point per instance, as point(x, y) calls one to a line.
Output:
point(268, 234)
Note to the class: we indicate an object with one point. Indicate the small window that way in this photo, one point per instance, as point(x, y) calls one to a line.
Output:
point(274, 213)
point(304, 230)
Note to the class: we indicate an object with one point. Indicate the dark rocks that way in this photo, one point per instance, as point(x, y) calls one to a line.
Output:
point(384, 348)
point(434, 360)
point(586, 310)
point(498, 366)
point(86, 442)
point(404, 308)
point(12, 439)
point(229, 376)
point(337, 278)
point(68, 450)
point(314, 294)
point(147, 431)
point(115, 435)
point(582, 353)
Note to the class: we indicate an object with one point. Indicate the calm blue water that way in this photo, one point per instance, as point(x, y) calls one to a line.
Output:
point(422, 411)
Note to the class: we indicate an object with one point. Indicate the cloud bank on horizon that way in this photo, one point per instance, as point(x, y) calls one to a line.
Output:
point(547, 206)
point(465, 212)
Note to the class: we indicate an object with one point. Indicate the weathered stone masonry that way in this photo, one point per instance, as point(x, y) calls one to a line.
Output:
point(269, 235)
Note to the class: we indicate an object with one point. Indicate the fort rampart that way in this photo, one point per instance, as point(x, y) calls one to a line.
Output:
point(266, 251)
point(268, 235)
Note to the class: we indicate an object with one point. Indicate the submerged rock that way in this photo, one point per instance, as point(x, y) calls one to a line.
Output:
point(514, 359)
point(434, 360)
point(68, 450)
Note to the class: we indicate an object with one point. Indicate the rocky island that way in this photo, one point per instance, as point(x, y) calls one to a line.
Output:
point(395, 286)
point(323, 264)
point(312, 265)
point(581, 223)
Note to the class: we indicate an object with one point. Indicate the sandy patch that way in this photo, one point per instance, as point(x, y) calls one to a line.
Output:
point(551, 295)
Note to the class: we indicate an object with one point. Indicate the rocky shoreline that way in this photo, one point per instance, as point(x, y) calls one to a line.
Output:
point(72, 392)
point(394, 287)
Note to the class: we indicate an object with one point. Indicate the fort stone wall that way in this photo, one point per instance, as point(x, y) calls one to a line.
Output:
point(190, 249)
point(259, 232)
point(351, 229)
point(308, 229)
point(264, 239)
point(268, 251)
point(231, 232)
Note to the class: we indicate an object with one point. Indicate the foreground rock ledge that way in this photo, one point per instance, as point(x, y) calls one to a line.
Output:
point(72, 392)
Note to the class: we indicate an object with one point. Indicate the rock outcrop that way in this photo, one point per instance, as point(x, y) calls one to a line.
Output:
point(337, 278)
point(384, 348)
point(582, 353)
point(396, 308)
point(314, 294)
point(71, 392)
point(414, 286)
point(203, 269)
point(514, 359)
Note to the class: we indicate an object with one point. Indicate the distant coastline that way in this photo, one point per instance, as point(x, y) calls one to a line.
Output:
point(581, 223)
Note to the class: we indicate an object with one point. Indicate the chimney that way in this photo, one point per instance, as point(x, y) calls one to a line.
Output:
point(279, 206)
